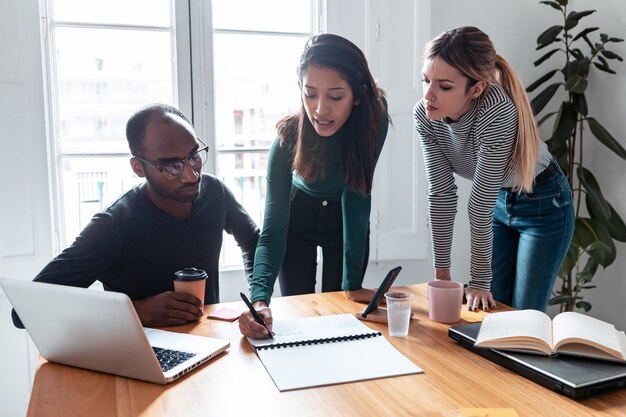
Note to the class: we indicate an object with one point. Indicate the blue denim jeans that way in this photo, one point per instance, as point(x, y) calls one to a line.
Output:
point(531, 235)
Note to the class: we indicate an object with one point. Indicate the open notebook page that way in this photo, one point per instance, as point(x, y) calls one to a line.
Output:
point(348, 359)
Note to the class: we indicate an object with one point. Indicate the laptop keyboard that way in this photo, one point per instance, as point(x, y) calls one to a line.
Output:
point(168, 358)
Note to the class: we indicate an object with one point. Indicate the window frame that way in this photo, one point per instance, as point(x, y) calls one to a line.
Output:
point(202, 70)
point(181, 95)
point(192, 69)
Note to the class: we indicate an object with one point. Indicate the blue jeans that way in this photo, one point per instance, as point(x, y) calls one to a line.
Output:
point(531, 235)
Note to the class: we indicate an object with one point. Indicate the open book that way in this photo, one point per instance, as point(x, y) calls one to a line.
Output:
point(324, 350)
point(569, 333)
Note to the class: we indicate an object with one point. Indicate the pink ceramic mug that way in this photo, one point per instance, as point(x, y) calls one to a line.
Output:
point(445, 300)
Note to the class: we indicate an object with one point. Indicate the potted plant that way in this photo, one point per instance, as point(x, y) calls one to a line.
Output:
point(597, 223)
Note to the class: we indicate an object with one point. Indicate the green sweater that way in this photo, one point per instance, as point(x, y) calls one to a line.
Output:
point(355, 207)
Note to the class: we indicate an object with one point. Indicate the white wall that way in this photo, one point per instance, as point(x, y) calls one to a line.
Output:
point(25, 231)
point(513, 26)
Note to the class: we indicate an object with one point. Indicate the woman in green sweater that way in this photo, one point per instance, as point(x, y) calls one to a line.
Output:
point(319, 180)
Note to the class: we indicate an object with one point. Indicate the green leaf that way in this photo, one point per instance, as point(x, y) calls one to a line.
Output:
point(583, 277)
point(584, 32)
point(601, 252)
point(576, 84)
point(541, 100)
point(614, 223)
point(577, 67)
point(580, 103)
point(577, 53)
point(574, 17)
point(604, 68)
point(561, 299)
point(565, 291)
point(552, 4)
point(586, 38)
point(590, 184)
point(546, 56)
point(540, 47)
point(560, 151)
point(595, 240)
point(616, 226)
point(605, 137)
point(565, 123)
point(549, 35)
point(584, 233)
point(540, 81)
point(611, 55)
point(546, 117)
point(584, 305)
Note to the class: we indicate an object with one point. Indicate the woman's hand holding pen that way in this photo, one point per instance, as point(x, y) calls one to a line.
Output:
point(248, 325)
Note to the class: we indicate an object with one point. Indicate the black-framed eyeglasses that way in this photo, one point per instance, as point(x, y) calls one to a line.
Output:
point(174, 169)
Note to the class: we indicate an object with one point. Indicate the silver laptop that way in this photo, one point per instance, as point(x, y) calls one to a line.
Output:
point(100, 330)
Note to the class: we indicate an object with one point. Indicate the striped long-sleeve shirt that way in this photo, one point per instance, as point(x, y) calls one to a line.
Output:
point(478, 147)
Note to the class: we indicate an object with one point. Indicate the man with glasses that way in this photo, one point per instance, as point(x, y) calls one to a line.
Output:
point(174, 220)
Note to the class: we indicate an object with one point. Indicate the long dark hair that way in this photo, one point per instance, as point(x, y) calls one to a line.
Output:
point(363, 126)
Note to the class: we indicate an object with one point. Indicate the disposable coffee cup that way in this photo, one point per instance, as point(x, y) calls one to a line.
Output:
point(191, 281)
point(445, 300)
point(398, 312)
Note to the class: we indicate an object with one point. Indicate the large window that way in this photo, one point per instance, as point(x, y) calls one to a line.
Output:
point(256, 47)
point(104, 64)
point(107, 59)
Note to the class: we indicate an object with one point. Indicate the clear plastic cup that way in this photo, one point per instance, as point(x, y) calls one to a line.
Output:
point(398, 312)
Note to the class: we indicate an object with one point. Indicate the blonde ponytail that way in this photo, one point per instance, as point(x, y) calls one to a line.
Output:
point(527, 145)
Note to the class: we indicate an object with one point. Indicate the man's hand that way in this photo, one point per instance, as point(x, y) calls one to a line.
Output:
point(249, 327)
point(169, 309)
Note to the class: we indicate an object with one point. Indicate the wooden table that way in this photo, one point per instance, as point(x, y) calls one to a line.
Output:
point(236, 383)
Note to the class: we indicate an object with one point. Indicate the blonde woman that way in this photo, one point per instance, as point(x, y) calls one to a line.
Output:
point(475, 121)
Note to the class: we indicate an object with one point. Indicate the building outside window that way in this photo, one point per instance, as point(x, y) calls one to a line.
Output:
point(104, 64)
point(255, 54)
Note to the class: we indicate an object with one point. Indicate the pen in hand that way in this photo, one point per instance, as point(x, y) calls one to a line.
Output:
point(256, 315)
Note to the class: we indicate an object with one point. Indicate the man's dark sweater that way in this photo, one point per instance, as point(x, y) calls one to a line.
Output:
point(134, 248)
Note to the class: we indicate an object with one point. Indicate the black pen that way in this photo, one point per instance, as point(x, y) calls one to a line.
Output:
point(256, 316)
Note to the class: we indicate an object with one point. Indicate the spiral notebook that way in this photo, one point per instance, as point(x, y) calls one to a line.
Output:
point(326, 350)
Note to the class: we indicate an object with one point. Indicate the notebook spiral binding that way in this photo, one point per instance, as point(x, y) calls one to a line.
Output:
point(319, 341)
